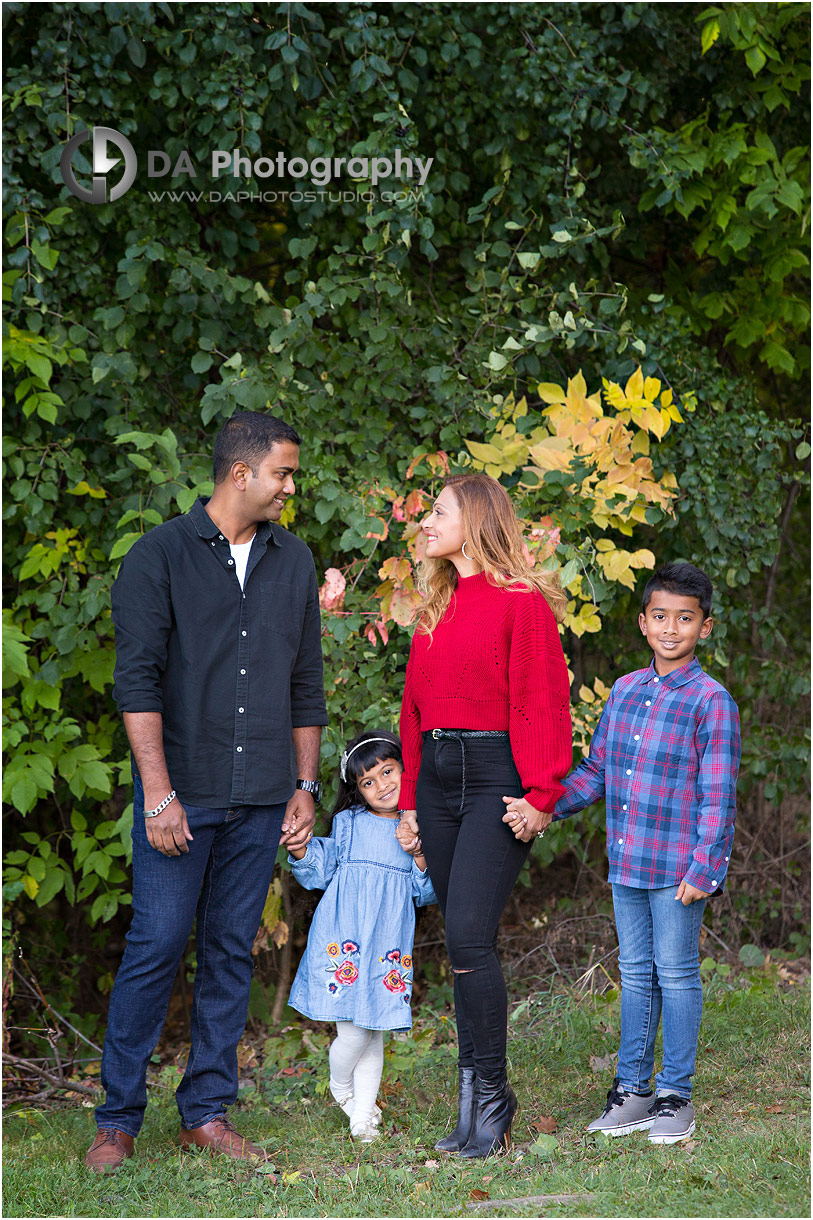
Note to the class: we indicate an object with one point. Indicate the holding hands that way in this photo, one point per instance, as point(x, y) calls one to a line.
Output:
point(525, 821)
point(406, 832)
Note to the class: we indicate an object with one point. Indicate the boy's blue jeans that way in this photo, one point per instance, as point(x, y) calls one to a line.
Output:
point(660, 976)
point(224, 878)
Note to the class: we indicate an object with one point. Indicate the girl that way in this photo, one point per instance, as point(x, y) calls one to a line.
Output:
point(357, 967)
point(485, 722)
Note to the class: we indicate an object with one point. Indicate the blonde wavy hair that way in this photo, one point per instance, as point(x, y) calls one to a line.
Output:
point(494, 540)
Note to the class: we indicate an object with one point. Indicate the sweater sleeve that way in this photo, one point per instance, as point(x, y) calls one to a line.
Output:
point(411, 740)
point(586, 782)
point(538, 701)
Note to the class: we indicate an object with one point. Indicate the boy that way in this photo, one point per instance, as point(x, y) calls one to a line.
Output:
point(665, 754)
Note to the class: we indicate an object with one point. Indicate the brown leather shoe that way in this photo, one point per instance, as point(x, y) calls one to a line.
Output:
point(220, 1135)
point(108, 1150)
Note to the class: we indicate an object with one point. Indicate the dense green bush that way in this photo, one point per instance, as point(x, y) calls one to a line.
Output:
point(612, 186)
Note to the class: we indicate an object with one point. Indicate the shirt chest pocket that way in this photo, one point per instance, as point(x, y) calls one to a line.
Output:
point(283, 609)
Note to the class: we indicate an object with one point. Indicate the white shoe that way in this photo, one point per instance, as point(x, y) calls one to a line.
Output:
point(365, 1132)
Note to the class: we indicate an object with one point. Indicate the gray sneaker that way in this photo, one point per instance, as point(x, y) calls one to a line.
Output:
point(673, 1119)
point(624, 1112)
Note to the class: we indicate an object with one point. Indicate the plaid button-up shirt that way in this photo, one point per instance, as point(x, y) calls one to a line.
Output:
point(665, 754)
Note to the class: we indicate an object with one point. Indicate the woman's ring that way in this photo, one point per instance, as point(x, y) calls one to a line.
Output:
point(539, 834)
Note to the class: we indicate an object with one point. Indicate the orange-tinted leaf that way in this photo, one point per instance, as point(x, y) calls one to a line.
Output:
point(544, 1123)
point(479, 1194)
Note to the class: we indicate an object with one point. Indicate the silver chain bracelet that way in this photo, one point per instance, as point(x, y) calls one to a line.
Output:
point(153, 813)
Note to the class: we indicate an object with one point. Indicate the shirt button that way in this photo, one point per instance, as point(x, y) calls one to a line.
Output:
point(241, 709)
point(714, 883)
point(231, 561)
point(242, 632)
point(726, 859)
point(620, 842)
point(213, 544)
point(648, 702)
point(220, 536)
point(239, 749)
point(242, 671)
point(637, 737)
point(629, 772)
point(657, 679)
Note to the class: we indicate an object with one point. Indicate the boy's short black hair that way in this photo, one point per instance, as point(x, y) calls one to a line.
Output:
point(682, 578)
point(247, 437)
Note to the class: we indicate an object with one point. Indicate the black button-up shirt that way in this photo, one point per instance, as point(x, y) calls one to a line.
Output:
point(231, 670)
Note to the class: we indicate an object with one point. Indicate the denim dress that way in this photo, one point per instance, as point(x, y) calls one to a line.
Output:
point(358, 962)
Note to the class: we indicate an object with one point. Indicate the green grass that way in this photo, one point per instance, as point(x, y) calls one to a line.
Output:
point(744, 1160)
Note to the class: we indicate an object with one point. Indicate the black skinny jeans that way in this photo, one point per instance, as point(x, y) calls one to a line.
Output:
point(474, 861)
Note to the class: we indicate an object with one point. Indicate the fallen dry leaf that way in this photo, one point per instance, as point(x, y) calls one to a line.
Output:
point(430, 1164)
point(479, 1194)
point(774, 1109)
point(544, 1123)
point(602, 1063)
point(686, 1146)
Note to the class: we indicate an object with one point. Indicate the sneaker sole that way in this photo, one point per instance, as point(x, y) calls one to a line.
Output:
point(642, 1125)
point(672, 1139)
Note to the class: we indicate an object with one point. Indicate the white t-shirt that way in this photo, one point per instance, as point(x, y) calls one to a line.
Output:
point(239, 553)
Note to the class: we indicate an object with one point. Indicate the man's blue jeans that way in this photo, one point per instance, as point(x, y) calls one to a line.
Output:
point(660, 975)
point(224, 878)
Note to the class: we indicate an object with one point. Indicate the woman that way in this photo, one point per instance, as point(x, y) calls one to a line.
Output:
point(485, 727)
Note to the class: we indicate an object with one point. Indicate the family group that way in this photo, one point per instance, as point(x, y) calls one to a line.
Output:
point(219, 680)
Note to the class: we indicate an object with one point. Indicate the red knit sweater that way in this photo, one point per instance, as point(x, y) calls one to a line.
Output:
point(494, 661)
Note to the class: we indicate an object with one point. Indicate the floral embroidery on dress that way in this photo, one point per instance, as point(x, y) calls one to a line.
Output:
point(347, 972)
point(397, 980)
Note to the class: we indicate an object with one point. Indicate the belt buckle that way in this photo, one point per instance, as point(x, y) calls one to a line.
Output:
point(436, 734)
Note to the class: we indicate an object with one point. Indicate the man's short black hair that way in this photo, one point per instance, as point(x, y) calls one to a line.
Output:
point(682, 578)
point(247, 437)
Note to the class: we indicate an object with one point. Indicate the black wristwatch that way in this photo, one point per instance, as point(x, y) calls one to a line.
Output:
point(313, 786)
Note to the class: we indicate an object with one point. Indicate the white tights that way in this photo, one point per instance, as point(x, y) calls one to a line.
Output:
point(356, 1063)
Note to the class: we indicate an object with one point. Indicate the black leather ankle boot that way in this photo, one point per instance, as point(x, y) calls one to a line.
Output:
point(495, 1107)
point(465, 1113)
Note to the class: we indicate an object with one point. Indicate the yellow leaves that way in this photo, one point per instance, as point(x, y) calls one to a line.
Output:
point(83, 488)
point(635, 386)
point(553, 453)
point(651, 389)
point(271, 923)
point(641, 443)
point(550, 393)
point(397, 593)
point(618, 565)
point(587, 620)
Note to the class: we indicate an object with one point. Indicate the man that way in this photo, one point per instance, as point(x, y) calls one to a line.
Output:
point(219, 677)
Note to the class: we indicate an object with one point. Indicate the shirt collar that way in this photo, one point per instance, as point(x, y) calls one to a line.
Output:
point(678, 677)
point(206, 527)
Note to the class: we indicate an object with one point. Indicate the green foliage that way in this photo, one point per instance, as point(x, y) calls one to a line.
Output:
point(588, 207)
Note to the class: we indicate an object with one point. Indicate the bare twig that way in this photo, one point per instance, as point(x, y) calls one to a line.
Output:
point(37, 991)
point(68, 1086)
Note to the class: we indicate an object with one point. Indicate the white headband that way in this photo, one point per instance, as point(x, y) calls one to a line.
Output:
point(347, 753)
